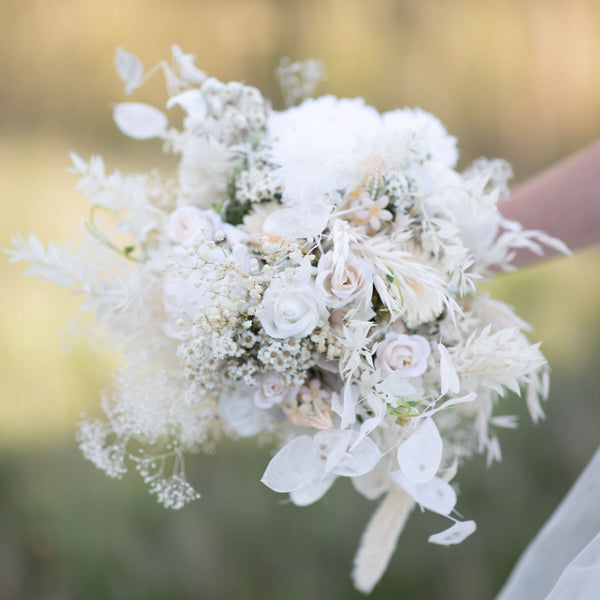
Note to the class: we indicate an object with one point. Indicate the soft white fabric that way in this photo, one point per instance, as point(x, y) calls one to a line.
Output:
point(581, 579)
point(563, 561)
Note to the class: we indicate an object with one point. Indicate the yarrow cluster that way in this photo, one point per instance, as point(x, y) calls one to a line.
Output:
point(309, 275)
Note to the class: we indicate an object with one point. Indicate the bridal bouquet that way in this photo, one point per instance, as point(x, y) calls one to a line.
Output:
point(309, 276)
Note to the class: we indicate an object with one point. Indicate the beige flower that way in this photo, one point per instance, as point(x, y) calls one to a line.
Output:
point(341, 282)
point(372, 213)
point(311, 407)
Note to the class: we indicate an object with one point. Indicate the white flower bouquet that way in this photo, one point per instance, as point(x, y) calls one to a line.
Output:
point(308, 276)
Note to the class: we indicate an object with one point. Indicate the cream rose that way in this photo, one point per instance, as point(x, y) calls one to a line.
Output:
point(291, 310)
point(402, 354)
point(342, 282)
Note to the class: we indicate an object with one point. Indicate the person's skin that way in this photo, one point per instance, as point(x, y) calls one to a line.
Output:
point(563, 201)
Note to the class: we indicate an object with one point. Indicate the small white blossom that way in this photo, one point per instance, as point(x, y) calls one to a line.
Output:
point(372, 213)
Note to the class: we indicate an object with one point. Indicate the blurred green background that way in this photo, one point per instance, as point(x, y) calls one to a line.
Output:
point(516, 79)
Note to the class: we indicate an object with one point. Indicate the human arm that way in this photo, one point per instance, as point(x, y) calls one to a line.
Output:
point(563, 201)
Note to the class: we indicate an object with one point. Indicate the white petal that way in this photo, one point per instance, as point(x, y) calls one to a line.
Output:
point(350, 401)
point(452, 402)
point(506, 421)
point(420, 455)
point(450, 381)
point(410, 487)
point(374, 483)
point(336, 403)
point(342, 456)
point(304, 221)
point(293, 467)
point(187, 69)
point(130, 69)
point(397, 385)
point(79, 165)
point(140, 121)
point(334, 444)
point(192, 101)
point(453, 535)
point(359, 460)
point(379, 409)
point(437, 495)
point(313, 491)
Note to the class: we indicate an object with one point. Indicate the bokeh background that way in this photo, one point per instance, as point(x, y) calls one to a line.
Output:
point(516, 79)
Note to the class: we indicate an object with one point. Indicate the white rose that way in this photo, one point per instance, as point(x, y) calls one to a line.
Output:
point(402, 354)
point(188, 224)
point(271, 390)
point(291, 310)
point(342, 282)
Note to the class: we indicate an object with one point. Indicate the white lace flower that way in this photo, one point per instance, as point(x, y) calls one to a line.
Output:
point(402, 354)
point(341, 282)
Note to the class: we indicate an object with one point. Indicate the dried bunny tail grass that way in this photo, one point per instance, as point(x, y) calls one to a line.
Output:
point(379, 539)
